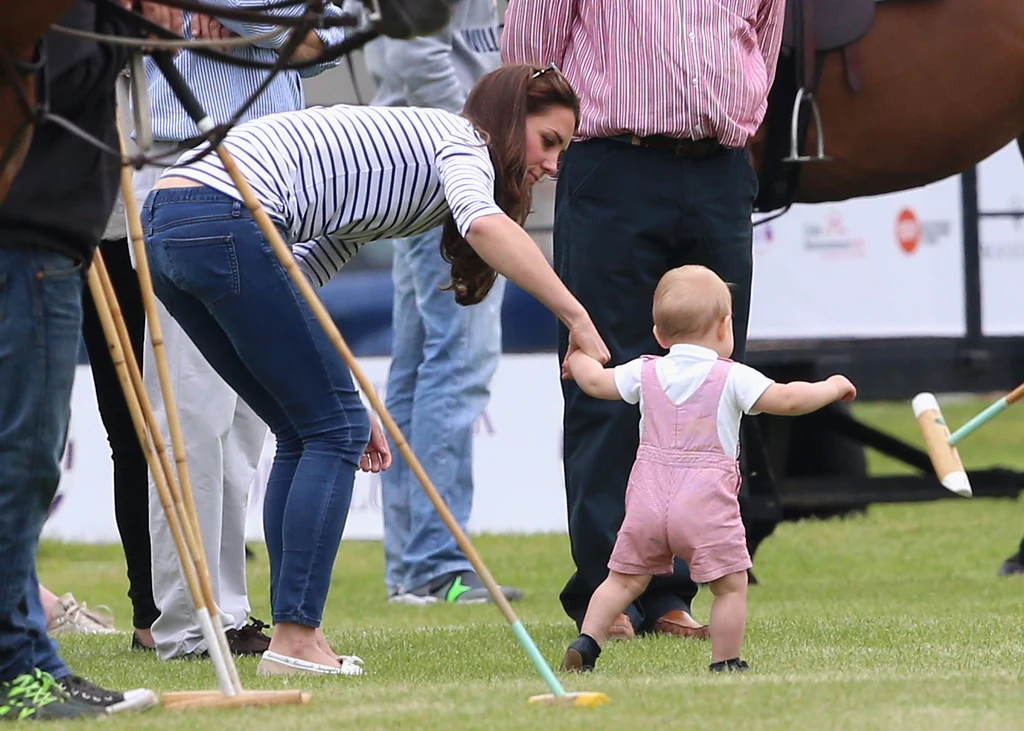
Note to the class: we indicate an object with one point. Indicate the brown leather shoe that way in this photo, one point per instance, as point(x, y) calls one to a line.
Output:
point(572, 662)
point(680, 624)
point(248, 640)
point(622, 629)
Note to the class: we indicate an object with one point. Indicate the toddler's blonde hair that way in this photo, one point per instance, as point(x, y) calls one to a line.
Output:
point(689, 301)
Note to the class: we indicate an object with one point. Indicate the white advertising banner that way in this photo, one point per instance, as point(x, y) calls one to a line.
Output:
point(517, 462)
point(1001, 189)
point(879, 267)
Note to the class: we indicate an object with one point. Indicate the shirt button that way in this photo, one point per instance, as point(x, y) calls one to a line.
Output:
point(695, 81)
point(692, 35)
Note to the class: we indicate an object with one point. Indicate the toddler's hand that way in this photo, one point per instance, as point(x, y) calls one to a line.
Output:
point(844, 387)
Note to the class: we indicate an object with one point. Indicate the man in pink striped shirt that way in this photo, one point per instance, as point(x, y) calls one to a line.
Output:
point(658, 177)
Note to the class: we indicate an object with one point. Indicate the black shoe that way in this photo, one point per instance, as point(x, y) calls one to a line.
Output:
point(36, 696)
point(102, 700)
point(248, 640)
point(458, 587)
point(732, 666)
point(581, 657)
point(1013, 566)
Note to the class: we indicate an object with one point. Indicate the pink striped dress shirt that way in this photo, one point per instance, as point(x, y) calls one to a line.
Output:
point(681, 68)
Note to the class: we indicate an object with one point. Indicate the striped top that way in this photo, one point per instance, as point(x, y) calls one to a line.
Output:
point(221, 89)
point(682, 68)
point(338, 177)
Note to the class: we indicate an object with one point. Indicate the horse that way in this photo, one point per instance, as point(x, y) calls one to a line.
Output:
point(22, 26)
point(934, 88)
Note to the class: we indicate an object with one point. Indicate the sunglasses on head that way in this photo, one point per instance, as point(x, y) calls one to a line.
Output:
point(550, 67)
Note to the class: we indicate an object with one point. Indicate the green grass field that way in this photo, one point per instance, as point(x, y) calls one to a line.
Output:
point(893, 620)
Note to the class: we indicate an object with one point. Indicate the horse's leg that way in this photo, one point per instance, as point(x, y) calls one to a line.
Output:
point(11, 169)
point(23, 24)
point(14, 133)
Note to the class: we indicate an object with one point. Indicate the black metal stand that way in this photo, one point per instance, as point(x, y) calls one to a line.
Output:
point(887, 370)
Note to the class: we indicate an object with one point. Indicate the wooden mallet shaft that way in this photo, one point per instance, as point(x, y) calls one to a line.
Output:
point(284, 255)
point(181, 490)
point(139, 407)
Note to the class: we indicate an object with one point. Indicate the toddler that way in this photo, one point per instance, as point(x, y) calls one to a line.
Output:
point(682, 497)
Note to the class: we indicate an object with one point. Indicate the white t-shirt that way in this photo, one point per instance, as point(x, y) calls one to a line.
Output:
point(681, 373)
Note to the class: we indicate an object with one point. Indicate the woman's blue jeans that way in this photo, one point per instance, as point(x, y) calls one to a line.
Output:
point(215, 272)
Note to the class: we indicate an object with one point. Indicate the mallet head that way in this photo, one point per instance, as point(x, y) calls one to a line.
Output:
point(579, 699)
point(945, 459)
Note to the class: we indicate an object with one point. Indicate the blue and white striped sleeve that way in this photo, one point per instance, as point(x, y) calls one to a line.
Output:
point(467, 177)
point(315, 271)
point(329, 36)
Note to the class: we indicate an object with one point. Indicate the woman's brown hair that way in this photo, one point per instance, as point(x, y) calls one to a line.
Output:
point(498, 107)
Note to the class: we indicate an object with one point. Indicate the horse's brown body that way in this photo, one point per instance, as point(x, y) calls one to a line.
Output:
point(943, 88)
point(22, 23)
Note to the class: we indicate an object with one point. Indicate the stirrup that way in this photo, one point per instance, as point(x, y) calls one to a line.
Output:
point(794, 155)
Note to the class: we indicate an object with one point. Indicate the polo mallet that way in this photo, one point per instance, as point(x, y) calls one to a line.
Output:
point(558, 694)
point(941, 445)
point(144, 420)
point(176, 500)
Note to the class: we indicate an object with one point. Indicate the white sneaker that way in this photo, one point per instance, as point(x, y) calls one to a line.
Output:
point(411, 599)
point(78, 618)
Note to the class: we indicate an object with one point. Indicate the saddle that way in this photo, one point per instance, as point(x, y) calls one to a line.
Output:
point(812, 29)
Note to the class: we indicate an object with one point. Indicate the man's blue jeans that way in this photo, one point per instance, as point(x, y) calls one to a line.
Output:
point(218, 277)
point(40, 328)
point(443, 358)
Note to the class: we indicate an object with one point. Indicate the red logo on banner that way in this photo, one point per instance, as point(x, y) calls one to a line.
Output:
point(908, 230)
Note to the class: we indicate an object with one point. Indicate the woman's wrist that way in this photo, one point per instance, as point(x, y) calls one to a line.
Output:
point(573, 314)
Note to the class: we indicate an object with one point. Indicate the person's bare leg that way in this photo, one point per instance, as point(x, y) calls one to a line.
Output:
point(606, 604)
point(728, 616)
point(301, 642)
point(145, 636)
point(51, 604)
point(323, 644)
point(609, 601)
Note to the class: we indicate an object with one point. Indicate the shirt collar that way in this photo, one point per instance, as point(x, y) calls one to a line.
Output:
point(693, 351)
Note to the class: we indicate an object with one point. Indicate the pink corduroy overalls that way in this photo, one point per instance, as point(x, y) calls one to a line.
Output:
point(682, 498)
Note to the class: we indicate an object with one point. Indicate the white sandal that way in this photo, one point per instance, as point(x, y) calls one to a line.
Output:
point(273, 663)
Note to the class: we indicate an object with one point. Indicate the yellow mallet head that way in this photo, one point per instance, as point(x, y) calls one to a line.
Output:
point(945, 459)
point(579, 699)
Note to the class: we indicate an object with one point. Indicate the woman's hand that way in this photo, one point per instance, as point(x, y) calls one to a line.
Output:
point(377, 456)
point(584, 336)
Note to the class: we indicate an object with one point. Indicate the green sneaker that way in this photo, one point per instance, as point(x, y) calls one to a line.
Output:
point(36, 696)
point(458, 587)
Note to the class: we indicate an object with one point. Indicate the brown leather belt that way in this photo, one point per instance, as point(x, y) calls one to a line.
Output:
point(683, 147)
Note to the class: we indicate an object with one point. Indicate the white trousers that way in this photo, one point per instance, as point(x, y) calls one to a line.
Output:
point(223, 442)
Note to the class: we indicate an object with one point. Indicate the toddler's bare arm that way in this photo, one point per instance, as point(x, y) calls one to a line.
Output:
point(592, 377)
point(801, 397)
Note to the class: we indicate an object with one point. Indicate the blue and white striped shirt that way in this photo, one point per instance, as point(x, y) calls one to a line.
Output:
point(339, 177)
point(221, 89)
